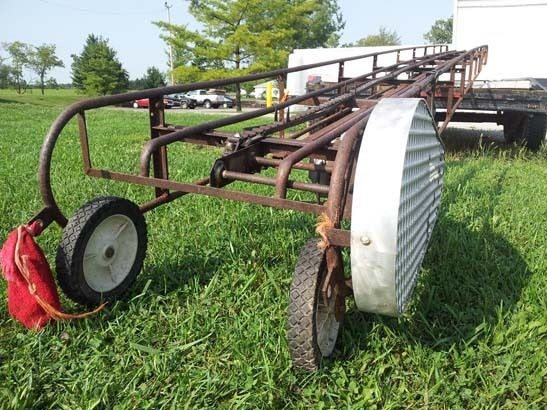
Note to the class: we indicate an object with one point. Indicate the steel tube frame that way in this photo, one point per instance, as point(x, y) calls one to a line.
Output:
point(335, 119)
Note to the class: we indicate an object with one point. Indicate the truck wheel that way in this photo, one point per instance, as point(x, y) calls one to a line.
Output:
point(525, 128)
point(535, 131)
point(514, 125)
point(184, 105)
point(312, 325)
point(101, 251)
point(207, 104)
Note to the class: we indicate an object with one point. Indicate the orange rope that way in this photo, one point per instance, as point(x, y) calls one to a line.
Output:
point(22, 264)
point(324, 224)
point(284, 97)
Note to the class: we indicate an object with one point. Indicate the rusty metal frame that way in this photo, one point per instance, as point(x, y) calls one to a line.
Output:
point(339, 109)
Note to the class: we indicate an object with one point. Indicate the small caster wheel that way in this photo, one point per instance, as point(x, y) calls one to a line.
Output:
point(312, 325)
point(101, 251)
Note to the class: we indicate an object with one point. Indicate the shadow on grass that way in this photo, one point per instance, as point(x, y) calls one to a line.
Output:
point(5, 101)
point(171, 273)
point(470, 273)
point(170, 276)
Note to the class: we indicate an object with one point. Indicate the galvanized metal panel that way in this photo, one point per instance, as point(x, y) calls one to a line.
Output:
point(396, 197)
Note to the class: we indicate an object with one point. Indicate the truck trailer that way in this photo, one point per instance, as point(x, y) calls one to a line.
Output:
point(511, 89)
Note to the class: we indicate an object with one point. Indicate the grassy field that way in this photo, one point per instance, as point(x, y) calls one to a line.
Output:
point(204, 326)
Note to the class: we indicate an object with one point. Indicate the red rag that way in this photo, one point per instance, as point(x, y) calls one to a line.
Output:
point(24, 294)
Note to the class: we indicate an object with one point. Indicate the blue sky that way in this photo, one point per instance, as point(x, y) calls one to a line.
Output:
point(127, 24)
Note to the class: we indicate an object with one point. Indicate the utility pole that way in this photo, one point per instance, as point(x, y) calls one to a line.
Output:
point(168, 7)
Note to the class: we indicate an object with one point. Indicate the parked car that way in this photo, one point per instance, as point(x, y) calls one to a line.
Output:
point(142, 103)
point(184, 101)
point(228, 102)
point(168, 102)
point(209, 99)
point(259, 91)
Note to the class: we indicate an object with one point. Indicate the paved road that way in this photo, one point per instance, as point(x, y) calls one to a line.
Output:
point(199, 110)
point(224, 111)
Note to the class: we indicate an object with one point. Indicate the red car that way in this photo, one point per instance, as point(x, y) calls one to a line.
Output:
point(144, 103)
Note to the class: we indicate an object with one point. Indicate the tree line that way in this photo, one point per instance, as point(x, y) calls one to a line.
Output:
point(236, 37)
point(244, 36)
point(39, 59)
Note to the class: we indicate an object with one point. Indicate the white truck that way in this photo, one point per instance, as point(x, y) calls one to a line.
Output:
point(512, 87)
point(210, 98)
point(512, 90)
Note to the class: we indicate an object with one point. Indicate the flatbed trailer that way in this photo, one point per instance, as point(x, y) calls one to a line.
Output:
point(522, 113)
point(512, 90)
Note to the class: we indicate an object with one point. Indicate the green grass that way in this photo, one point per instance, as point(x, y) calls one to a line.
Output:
point(60, 98)
point(204, 326)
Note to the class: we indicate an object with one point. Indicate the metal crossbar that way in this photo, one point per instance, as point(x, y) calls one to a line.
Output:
point(335, 110)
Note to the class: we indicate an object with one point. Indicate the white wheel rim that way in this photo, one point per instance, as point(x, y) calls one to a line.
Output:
point(326, 325)
point(110, 253)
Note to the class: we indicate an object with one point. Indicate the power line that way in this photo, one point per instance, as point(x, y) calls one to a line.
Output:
point(102, 12)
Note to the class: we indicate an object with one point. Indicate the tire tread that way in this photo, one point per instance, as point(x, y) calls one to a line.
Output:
point(301, 332)
point(70, 240)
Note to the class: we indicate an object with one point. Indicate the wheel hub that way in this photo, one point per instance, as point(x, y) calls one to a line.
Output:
point(110, 253)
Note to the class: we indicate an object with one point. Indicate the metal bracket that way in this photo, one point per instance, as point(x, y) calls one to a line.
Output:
point(242, 160)
point(334, 284)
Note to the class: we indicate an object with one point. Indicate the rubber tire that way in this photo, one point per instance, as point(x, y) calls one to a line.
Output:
point(527, 129)
point(514, 126)
point(207, 104)
point(135, 105)
point(74, 239)
point(535, 131)
point(184, 105)
point(303, 301)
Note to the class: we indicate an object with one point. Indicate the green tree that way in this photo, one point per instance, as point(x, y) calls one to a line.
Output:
point(51, 83)
point(440, 32)
point(318, 26)
point(239, 36)
point(384, 37)
point(4, 76)
point(19, 55)
point(154, 78)
point(42, 60)
point(4, 73)
point(97, 70)
point(136, 84)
